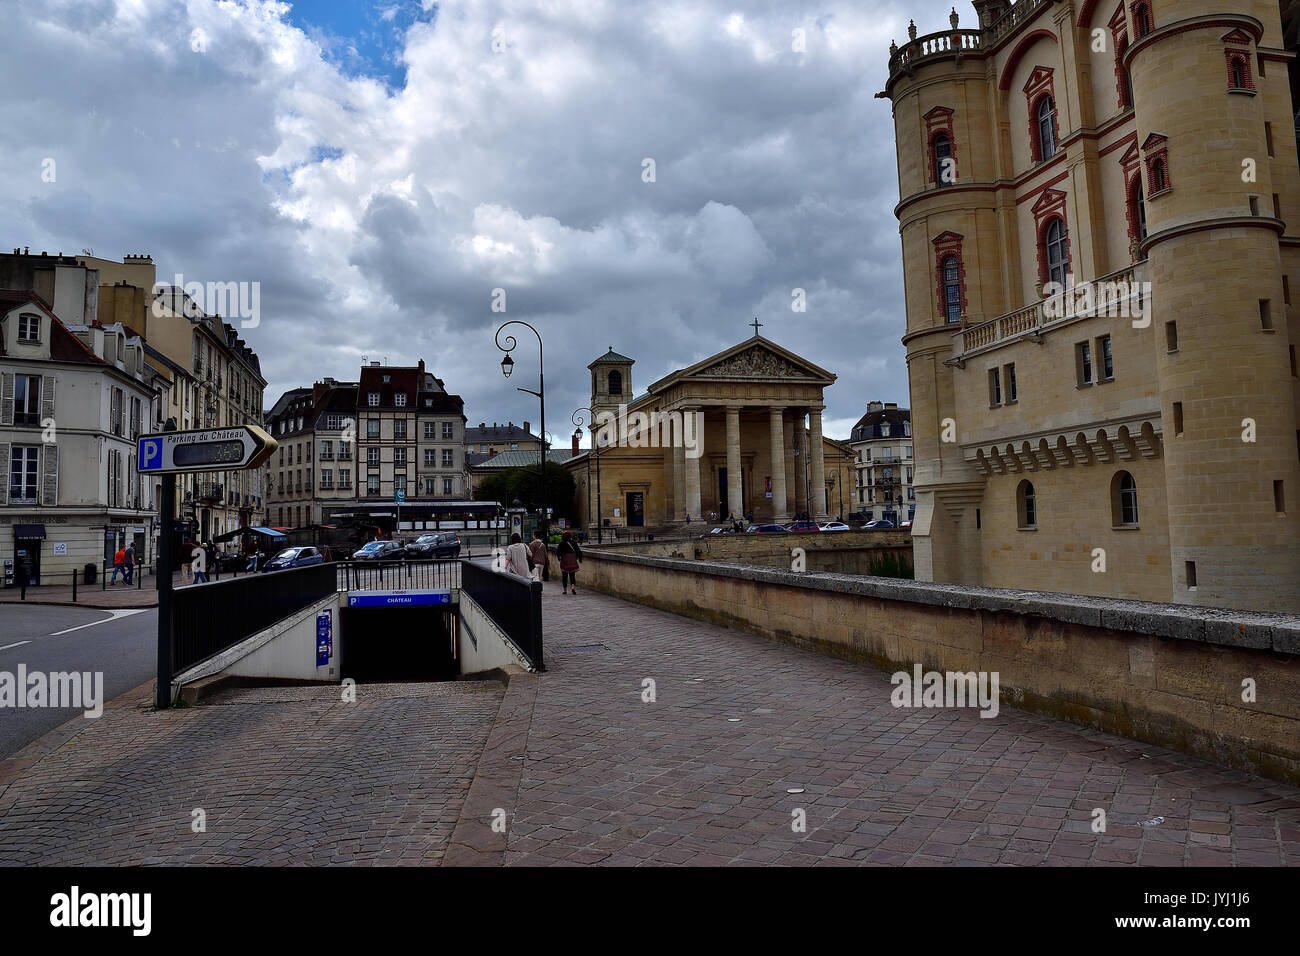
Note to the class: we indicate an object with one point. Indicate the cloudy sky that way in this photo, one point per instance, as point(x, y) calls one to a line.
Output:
point(381, 166)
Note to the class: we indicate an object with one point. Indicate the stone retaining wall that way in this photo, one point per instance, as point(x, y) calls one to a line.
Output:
point(1167, 674)
point(840, 552)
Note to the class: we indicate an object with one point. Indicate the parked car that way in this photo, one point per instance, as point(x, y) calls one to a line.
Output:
point(379, 551)
point(907, 525)
point(880, 524)
point(294, 558)
point(765, 529)
point(443, 544)
point(835, 526)
point(231, 562)
point(802, 526)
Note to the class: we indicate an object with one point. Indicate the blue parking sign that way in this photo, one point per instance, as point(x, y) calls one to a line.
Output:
point(324, 638)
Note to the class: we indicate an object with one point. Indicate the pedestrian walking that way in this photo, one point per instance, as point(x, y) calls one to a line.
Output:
point(119, 565)
point(517, 557)
point(199, 558)
point(539, 557)
point(570, 556)
point(130, 562)
point(187, 569)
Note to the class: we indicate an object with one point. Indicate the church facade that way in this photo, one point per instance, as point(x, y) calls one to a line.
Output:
point(737, 434)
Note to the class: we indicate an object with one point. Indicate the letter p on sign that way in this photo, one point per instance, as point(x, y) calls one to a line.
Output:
point(150, 454)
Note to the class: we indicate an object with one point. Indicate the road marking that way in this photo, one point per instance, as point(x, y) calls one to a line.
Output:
point(19, 644)
point(114, 616)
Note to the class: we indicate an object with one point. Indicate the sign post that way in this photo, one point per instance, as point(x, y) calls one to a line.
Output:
point(167, 454)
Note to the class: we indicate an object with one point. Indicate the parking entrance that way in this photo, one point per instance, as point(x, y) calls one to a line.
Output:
point(397, 644)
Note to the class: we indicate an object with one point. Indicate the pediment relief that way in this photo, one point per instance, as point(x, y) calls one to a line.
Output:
point(756, 362)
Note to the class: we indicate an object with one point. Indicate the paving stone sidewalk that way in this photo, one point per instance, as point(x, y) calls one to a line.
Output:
point(701, 776)
point(589, 772)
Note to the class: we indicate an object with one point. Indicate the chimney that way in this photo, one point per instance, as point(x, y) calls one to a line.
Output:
point(875, 406)
point(575, 444)
point(525, 426)
point(492, 452)
point(420, 366)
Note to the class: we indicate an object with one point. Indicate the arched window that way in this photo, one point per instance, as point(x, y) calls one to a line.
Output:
point(1123, 500)
point(616, 382)
point(1142, 19)
point(1141, 210)
point(951, 289)
point(1046, 128)
point(1057, 253)
point(1026, 507)
point(1125, 78)
point(1158, 178)
point(942, 167)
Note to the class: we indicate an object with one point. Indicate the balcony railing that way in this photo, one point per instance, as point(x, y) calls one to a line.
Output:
point(1120, 294)
point(933, 46)
point(208, 491)
point(1021, 11)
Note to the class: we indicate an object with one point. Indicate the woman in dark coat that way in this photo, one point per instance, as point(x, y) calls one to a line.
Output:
point(570, 556)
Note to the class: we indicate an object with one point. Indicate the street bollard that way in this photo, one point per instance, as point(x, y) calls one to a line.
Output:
point(74, 587)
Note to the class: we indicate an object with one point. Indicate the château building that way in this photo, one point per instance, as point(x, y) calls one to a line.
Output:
point(1098, 206)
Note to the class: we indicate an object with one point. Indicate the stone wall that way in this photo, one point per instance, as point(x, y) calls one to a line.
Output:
point(1166, 674)
point(840, 552)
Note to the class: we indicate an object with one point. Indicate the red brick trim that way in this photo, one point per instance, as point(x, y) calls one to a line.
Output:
point(1242, 58)
point(1136, 9)
point(1132, 183)
point(1038, 193)
point(1155, 151)
point(1004, 81)
point(1049, 208)
point(1131, 139)
point(1041, 84)
point(1243, 23)
point(938, 122)
point(948, 245)
point(1119, 37)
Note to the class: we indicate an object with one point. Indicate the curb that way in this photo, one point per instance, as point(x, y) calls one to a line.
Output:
point(85, 604)
point(496, 779)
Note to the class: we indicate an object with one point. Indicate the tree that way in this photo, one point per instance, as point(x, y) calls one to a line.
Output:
point(525, 484)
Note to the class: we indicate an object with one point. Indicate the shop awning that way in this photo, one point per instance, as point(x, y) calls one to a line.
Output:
point(29, 531)
point(269, 532)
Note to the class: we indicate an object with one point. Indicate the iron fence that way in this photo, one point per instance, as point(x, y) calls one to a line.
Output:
point(514, 603)
point(398, 575)
point(208, 618)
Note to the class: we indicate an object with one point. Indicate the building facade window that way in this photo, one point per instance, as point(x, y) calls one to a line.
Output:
point(430, 430)
point(430, 458)
point(1124, 502)
point(400, 398)
point(951, 276)
point(1046, 128)
point(399, 429)
point(29, 328)
point(1104, 357)
point(941, 161)
point(1083, 363)
point(1010, 376)
point(399, 457)
point(448, 458)
point(372, 399)
point(943, 173)
point(995, 387)
point(616, 382)
point(1058, 253)
point(372, 456)
point(1142, 23)
point(448, 431)
point(27, 399)
point(446, 486)
point(372, 485)
point(372, 428)
point(22, 473)
point(1026, 506)
point(951, 290)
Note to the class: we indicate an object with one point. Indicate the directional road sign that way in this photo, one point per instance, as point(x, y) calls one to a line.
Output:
point(215, 449)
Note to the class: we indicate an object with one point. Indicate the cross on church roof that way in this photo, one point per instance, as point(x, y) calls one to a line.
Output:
point(756, 324)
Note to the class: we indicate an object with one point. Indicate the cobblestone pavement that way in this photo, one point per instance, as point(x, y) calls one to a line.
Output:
point(701, 776)
point(283, 776)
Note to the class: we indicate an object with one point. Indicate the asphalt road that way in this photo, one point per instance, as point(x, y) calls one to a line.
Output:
point(120, 644)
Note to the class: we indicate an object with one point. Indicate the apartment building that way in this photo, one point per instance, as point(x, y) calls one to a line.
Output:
point(883, 463)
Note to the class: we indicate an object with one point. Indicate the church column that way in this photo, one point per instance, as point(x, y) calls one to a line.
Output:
point(818, 479)
point(776, 422)
point(735, 505)
point(692, 476)
point(800, 445)
point(679, 462)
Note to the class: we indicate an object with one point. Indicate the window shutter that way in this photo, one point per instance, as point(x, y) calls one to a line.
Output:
point(47, 397)
point(4, 479)
point(6, 403)
point(49, 474)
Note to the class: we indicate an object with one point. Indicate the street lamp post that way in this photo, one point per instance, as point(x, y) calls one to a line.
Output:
point(576, 418)
point(508, 366)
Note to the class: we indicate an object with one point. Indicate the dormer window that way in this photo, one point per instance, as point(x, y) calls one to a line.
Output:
point(29, 328)
point(373, 399)
point(401, 399)
point(387, 379)
point(884, 429)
